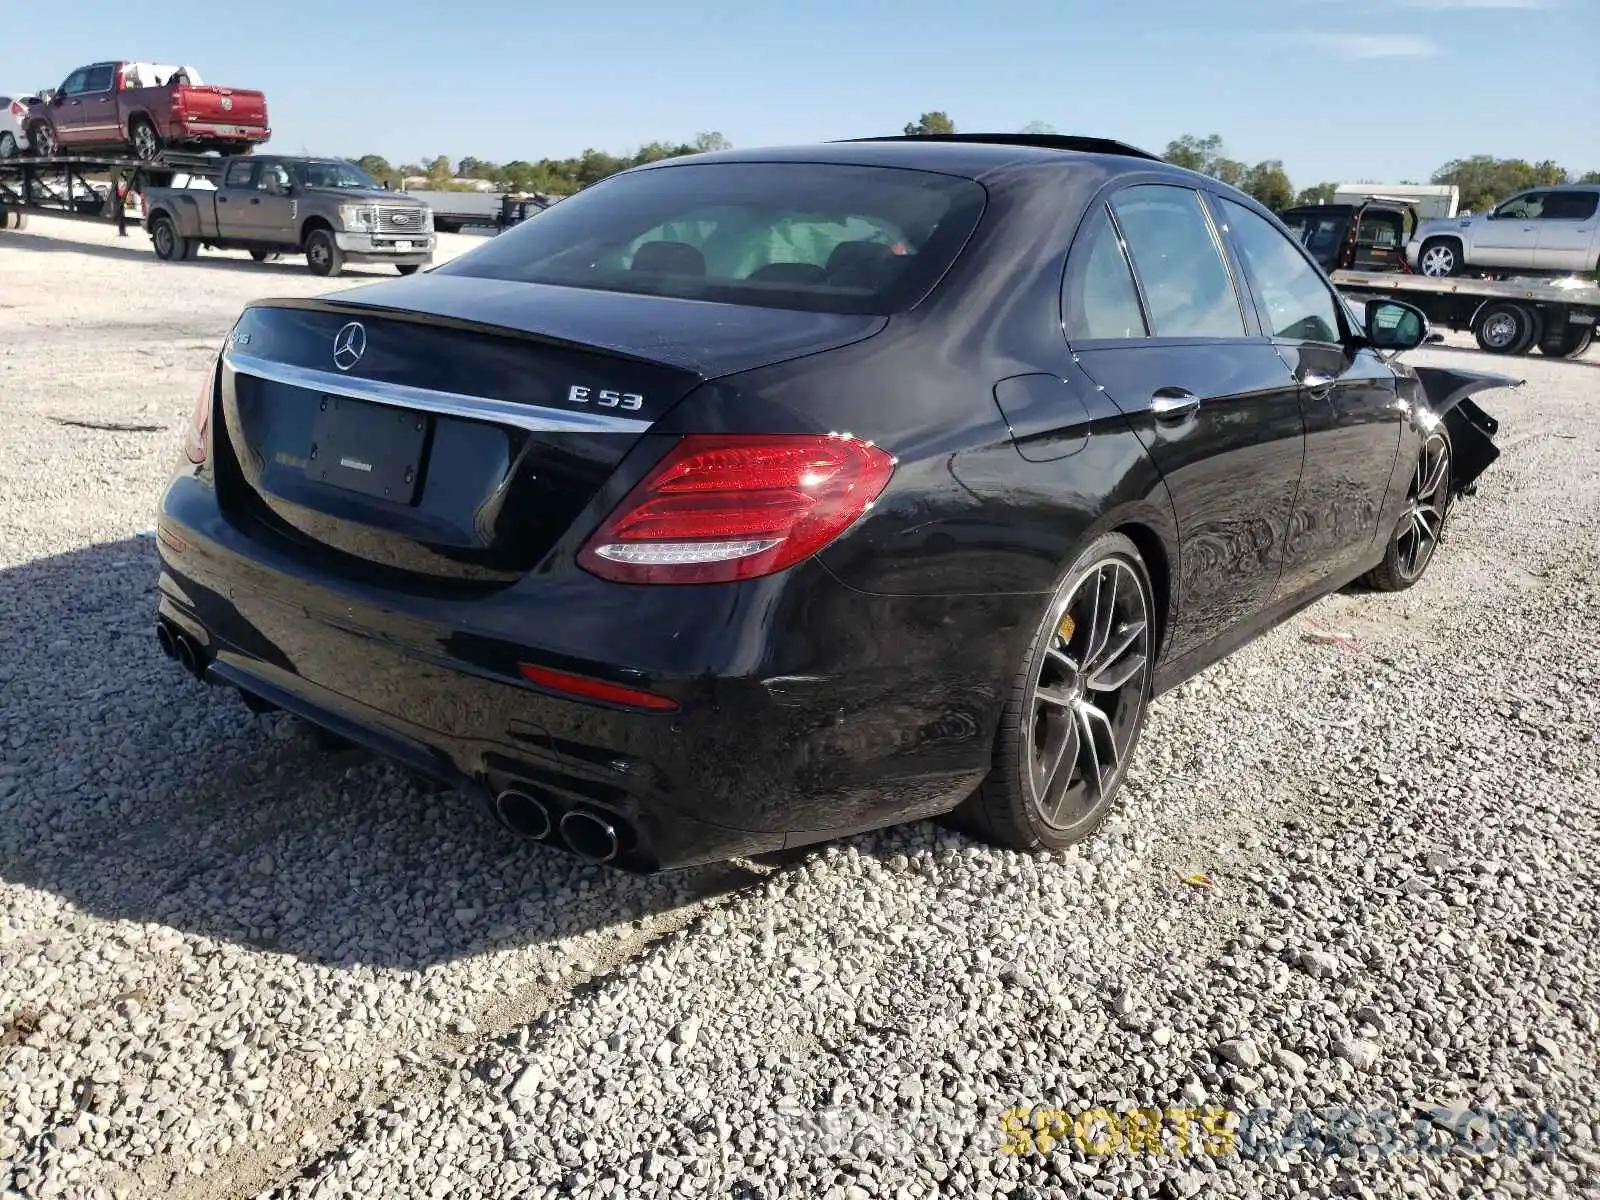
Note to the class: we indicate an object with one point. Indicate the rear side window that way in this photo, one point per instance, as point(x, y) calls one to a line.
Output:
point(1295, 302)
point(238, 174)
point(99, 79)
point(1180, 266)
point(1570, 206)
point(1099, 299)
point(819, 237)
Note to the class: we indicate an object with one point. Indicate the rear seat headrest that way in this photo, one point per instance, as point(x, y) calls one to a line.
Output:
point(669, 258)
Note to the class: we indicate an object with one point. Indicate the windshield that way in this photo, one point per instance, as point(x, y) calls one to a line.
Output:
point(820, 237)
point(334, 175)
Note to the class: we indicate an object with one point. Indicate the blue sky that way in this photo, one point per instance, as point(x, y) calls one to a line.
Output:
point(1339, 89)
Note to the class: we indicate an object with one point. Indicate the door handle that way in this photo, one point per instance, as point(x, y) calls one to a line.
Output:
point(1173, 403)
point(222, 199)
point(1311, 379)
point(253, 200)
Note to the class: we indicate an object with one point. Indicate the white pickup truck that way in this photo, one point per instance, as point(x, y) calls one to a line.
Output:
point(1543, 231)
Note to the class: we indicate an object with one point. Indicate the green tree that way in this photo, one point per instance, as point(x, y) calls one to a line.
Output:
point(930, 123)
point(438, 171)
point(705, 143)
point(378, 167)
point(476, 168)
point(1317, 193)
point(1039, 127)
point(1485, 180)
point(1588, 177)
point(1195, 153)
point(1270, 185)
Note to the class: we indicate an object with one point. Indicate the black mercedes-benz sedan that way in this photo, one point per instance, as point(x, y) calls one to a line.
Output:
point(746, 500)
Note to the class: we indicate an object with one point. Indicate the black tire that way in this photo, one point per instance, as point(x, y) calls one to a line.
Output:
point(408, 268)
point(1445, 259)
point(1574, 343)
point(323, 256)
point(169, 244)
point(42, 140)
point(1008, 808)
point(144, 139)
point(262, 255)
point(8, 145)
point(1430, 487)
point(1504, 328)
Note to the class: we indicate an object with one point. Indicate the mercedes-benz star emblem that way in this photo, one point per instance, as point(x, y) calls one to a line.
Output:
point(349, 344)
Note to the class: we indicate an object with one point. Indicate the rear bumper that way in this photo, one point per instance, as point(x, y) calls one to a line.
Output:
point(807, 710)
point(218, 131)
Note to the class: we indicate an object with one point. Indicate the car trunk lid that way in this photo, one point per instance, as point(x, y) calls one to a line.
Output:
point(413, 446)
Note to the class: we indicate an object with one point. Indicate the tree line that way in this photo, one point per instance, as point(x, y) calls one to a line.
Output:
point(556, 176)
point(1483, 179)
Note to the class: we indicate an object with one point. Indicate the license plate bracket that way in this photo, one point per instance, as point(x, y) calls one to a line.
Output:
point(368, 448)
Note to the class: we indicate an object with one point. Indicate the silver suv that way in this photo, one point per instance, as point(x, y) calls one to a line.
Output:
point(1543, 231)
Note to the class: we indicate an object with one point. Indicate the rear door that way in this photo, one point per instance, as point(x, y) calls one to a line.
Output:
point(1179, 352)
point(1509, 235)
point(1347, 398)
point(1568, 231)
point(235, 193)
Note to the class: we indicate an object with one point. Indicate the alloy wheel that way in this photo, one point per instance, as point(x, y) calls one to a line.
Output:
point(1438, 261)
point(317, 252)
point(1088, 693)
point(1418, 532)
point(144, 142)
point(43, 140)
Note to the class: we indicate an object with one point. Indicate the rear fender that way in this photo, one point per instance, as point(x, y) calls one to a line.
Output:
point(1447, 394)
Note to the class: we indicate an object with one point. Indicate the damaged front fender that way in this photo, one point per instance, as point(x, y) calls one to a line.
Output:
point(1446, 393)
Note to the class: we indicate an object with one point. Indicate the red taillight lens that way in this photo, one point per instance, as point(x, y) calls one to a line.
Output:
point(194, 442)
point(587, 688)
point(718, 509)
point(17, 110)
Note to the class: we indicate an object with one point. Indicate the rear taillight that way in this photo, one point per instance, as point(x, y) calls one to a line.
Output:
point(718, 509)
point(194, 442)
point(17, 110)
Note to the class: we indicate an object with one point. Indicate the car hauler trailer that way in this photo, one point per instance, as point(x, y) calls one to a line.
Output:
point(90, 188)
point(1509, 316)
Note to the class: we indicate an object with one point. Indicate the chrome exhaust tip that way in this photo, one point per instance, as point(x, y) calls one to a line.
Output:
point(590, 836)
point(524, 815)
point(164, 640)
point(184, 650)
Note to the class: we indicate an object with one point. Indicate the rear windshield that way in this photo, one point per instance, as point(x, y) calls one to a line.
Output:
point(824, 238)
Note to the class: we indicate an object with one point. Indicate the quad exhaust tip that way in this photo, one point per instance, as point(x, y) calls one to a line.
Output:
point(590, 836)
point(524, 815)
point(164, 640)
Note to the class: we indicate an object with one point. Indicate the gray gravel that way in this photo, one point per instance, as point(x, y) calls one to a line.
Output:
point(233, 965)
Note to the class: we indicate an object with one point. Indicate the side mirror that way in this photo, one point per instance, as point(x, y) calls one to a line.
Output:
point(1393, 325)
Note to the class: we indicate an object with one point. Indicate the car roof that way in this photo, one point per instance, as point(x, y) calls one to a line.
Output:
point(969, 155)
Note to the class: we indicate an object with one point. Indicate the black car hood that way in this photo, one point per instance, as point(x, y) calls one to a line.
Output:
point(710, 339)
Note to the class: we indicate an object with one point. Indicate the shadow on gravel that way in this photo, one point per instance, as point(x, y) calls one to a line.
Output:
point(137, 246)
point(134, 793)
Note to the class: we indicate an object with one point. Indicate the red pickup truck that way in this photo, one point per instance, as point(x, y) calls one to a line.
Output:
point(145, 107)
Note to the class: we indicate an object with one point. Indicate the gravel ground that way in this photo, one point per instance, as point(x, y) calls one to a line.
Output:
point(234, 965)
